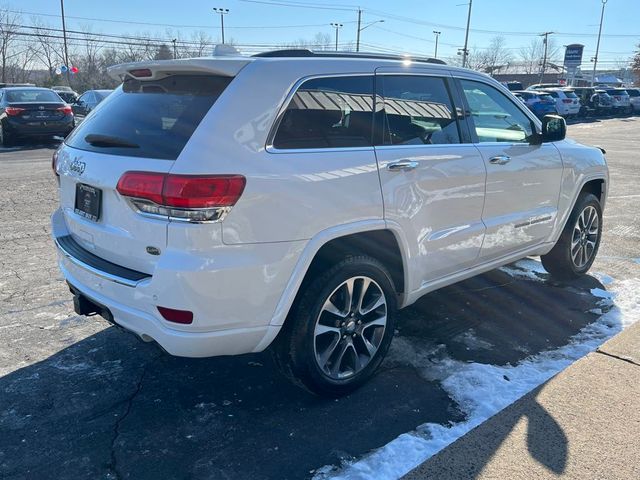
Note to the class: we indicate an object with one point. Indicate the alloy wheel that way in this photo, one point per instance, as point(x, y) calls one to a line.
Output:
point(350, 327)
point(585, 236)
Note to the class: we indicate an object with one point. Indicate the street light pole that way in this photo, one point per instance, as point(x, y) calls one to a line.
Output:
point(174, 48)
point(544, 58)
point(358, 35)
point(222, 12)
point(437, 34)
point(337, 26)
point(64, 36)
point(465, 52)
point(360, 29)
point(595, 59)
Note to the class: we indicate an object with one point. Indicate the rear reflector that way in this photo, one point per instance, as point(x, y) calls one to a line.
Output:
point(195, 198)
point(66, 110)
point(176, 316)
point(11, 111)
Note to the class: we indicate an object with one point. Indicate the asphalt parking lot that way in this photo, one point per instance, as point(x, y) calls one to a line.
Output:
point(82, 399)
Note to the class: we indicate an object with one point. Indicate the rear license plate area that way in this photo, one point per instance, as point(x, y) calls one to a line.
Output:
point(88, 201)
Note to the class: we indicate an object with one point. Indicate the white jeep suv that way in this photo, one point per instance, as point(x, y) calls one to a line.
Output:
point(295, 199)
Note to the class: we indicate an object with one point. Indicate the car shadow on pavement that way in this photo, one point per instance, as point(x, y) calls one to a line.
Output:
point(111, 406)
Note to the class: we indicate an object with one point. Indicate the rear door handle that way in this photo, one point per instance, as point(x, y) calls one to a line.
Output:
point(500, 160)
point(402, 165)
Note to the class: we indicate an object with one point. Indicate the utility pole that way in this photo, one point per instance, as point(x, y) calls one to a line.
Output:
point(595, 59)
point(465, 51)
point(174, 48)
point(543, 67)
point(337, 26)
point(358, 36)
point(66, 51)
point(222, 12)
point(437, 34)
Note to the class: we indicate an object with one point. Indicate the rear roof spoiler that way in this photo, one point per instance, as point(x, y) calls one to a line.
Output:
point(223, 66)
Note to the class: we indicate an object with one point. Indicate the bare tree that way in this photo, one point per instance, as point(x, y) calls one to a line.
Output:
point(531, 56)
point(496, 55)
point(9, 30)
point(48, 50)
point(635, 65)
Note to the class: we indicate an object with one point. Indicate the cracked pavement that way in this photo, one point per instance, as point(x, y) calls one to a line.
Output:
point(82, 399)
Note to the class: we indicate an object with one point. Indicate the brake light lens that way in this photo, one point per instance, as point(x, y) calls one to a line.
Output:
point(193, 198)
point(141, 73)
point(567, 100)
point(13, 111)
point(54, 165)
point(66, 110)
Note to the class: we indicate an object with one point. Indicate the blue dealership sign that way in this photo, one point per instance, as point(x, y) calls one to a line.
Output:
point(573, 55)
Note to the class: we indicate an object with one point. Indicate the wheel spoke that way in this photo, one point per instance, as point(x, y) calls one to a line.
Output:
point(364, 286)
point(324, 357)
point(379, 302)
point(378, 322)
point(330, 307)
point(322, 329)
point(371, 348)
point(335, 365)
point(348, 298)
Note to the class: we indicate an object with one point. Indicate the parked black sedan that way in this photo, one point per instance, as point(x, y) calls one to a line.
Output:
point(27, 112)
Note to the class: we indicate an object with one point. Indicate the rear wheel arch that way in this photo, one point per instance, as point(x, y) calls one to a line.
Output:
point(381, 245)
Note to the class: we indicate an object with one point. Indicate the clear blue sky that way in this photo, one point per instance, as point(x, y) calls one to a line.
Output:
point(408, 24)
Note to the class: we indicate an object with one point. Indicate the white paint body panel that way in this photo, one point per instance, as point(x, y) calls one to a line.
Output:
point(240, 276)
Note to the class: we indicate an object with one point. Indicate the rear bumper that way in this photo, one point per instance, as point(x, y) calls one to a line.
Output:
point(37, 128)
point(232, 300)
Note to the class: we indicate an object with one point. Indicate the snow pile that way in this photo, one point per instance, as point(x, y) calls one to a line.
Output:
point(483, 390)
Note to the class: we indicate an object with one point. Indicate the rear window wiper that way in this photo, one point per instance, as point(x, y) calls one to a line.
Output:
point(108, 141)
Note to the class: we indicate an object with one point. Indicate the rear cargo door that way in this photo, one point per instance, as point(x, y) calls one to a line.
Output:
point(143, 126)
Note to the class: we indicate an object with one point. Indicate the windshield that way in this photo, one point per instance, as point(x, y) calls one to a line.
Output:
point(153, 118)
point(32, 95)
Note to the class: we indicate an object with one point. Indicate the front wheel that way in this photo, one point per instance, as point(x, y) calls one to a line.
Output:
point(340, 329)
point(576, 249)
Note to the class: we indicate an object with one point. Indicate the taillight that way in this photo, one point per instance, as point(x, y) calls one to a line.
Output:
point(194, 198)
point(54, 165)
point(567, 100)
point(66, 110)
point(12, 111)
point(617, 97)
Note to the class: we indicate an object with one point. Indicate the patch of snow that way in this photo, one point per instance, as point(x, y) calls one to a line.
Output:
point(482, 390)
point(603, 278)
point(527, 268)
point(472, 342)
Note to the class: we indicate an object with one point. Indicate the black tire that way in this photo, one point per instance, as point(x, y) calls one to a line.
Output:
point(295, 348)
point(562, 262)
point(5, 140)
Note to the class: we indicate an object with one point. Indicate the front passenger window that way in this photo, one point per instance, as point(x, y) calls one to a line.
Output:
point(496, 117)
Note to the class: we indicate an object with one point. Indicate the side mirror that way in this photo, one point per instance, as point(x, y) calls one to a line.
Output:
point(554, 129)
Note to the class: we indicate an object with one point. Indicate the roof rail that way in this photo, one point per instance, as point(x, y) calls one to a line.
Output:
point(303, 52)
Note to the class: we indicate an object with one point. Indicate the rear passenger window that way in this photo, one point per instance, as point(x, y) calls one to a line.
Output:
point(328, 112)
point(417, 111)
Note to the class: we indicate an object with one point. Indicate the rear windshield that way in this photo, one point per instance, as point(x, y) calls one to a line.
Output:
point(32, 95)
point(152, 119)
point(570, 95)
point(633, 93)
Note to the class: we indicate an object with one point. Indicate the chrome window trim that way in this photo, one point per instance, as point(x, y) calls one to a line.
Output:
point(269, 148)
